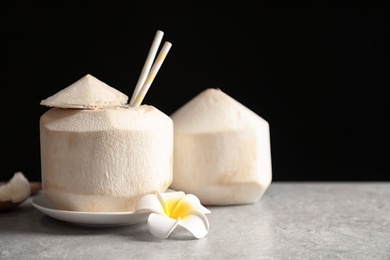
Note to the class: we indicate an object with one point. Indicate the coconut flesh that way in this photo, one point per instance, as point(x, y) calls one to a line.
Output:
point(100, 155)
point(14, 192)
point(221, 151)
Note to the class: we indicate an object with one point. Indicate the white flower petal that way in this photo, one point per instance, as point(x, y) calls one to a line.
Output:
point(195, 203)
point(169, 200)
point(196, 223)
point(161, 226)
point(187, 204)
point(149, 203)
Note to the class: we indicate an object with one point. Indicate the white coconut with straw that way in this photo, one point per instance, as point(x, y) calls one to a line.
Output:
point(99, 153)
point(222, 150)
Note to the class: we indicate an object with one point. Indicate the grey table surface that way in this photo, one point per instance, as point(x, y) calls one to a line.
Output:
point(291, 221)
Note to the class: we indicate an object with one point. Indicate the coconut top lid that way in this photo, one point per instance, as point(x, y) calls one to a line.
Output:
point(87, 93)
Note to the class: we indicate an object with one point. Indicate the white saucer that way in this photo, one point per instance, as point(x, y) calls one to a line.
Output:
point(96, 219)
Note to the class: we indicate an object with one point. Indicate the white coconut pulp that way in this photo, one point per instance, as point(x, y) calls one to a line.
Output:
point(98, 154)
point(221, 151)
point(15, 190)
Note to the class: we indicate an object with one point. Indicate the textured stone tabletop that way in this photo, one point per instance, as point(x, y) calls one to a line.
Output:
point(291, 221)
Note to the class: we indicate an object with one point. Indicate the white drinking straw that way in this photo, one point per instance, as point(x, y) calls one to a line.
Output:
point(152, 74)
point(147, 65)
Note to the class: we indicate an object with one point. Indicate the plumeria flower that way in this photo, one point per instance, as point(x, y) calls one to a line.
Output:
point(171, 209)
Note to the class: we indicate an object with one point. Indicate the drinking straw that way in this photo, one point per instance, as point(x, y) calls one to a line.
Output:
point(152, 74)
point(148, 63)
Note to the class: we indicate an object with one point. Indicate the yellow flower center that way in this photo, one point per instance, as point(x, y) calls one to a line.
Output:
point(177, 208)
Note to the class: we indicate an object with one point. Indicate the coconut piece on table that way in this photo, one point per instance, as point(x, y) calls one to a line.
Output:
point(221, 150)
point(87, 93)
point(14, 192)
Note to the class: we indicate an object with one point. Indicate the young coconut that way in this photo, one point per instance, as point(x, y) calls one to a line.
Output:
point(98, 154)
point(221, 151)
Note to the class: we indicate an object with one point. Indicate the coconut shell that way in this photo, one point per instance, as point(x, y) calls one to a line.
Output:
point(104, 160)
point(221, 151)
point(100, 155)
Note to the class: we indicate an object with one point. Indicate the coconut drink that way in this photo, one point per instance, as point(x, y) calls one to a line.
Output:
point(100, 153)
point(222, 150)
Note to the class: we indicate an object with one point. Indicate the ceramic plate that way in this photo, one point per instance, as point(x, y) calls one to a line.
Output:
point(102, 219)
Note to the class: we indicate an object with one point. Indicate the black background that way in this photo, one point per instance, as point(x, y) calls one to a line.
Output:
point(318, 73)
